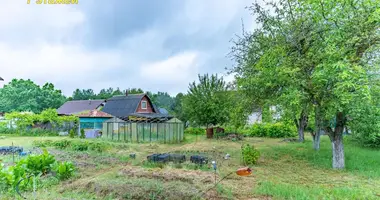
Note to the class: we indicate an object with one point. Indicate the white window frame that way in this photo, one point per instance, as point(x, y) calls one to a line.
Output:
point(146, 105)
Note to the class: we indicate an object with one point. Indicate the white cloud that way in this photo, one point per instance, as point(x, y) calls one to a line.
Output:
point(176, 71)
point(45, 43)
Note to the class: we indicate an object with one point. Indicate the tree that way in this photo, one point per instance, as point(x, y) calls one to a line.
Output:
point(25, 95)
point(207, 102)
point(135, 91)
point(84, 94)
point(177, 107)
point(311, 54)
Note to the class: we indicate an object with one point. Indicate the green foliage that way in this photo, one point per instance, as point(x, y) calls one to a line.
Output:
point(177, 107)
point(25, 120)
point(86, 94)
point(30, 132)
point(195, 131)
point(80, 146)
point(276, 130)
point(359, 160)
point(98, 146)
point(75, 145)
point(72, 133)
point(365, 125)
point(36, 164)
point(299, 192)
point(24, 95)
point(250, 154)
point(42, 143)
point(82, 134)
point(33, 165)
point(63, 170)
point(207, 101)
point(61, 144)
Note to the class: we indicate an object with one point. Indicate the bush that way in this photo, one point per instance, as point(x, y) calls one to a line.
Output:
point(28, 132)
point(250, 154)
point(97, 146)
point(32, 165)
point(195, 131)
point(73, 144)
point(42, 143)
point(276, 130)
point(61, 144)
point(63, 170)
point(72, 133)
point(82, 134)
point(80, 146)
point(36, 164)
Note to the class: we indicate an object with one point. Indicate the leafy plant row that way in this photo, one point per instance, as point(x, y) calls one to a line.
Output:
point(272, 130)
point(75, 145)
point(39, 166)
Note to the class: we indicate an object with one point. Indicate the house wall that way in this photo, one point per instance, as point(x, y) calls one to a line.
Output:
point(149, 106)
point(92, 122)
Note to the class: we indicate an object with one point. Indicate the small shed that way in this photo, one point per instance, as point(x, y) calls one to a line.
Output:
point(92, 122)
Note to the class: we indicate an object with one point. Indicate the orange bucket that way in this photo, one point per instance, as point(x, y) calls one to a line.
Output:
point(245, 171)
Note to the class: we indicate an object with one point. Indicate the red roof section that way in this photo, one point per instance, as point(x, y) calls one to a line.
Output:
point(93, 113)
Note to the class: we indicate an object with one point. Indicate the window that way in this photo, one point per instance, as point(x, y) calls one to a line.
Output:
point(143, 105)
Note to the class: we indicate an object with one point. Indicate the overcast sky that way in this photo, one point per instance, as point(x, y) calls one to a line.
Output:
point(156, 45)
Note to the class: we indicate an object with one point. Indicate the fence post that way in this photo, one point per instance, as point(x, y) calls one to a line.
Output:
point(107, 130)
point(165, 133)
point(157, 131)
point(137, 131)
point(118, 131)
point(144, 132)
point(112, 130)
point(130, 130)
point(150, 131)
point(125, 133)
point(178, 130)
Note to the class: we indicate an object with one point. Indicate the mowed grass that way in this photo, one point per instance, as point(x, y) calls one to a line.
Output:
point(284, 171)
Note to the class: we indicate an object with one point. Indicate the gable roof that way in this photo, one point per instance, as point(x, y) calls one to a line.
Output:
point(93, 113)
point(76, 106)
point(123, 106)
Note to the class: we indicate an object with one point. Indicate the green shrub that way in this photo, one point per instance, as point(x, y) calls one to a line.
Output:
point(42, 143)
point(32, 165)
point(82, 134)
point(275, 130)
point(28, 132)
point(72, 133)
point(79, 146)
point(195, 131)
point(36, 164)
point(250, 154)
point(61, 144)
point(97, 146)
point(63, 170)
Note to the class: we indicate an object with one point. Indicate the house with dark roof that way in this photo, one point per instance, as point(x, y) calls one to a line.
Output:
point(76, 106)
point(134, 107)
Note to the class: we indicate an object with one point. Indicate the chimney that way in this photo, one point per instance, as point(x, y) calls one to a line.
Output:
point(126, 92)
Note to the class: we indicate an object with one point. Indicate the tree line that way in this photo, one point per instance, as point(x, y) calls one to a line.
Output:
point(24, 95)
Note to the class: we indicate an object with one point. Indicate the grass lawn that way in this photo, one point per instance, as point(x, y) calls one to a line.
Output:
point(284, 171)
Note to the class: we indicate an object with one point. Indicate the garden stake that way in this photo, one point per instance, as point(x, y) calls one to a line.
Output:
point(13, 154)
point(214, 166)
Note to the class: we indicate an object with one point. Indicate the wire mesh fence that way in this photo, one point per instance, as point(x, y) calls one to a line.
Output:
point(166, 132)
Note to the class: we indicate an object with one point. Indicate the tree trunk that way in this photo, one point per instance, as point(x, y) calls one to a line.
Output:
point(336, 137)
point(338, 152)
point(318, 129)
point(302, 126)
